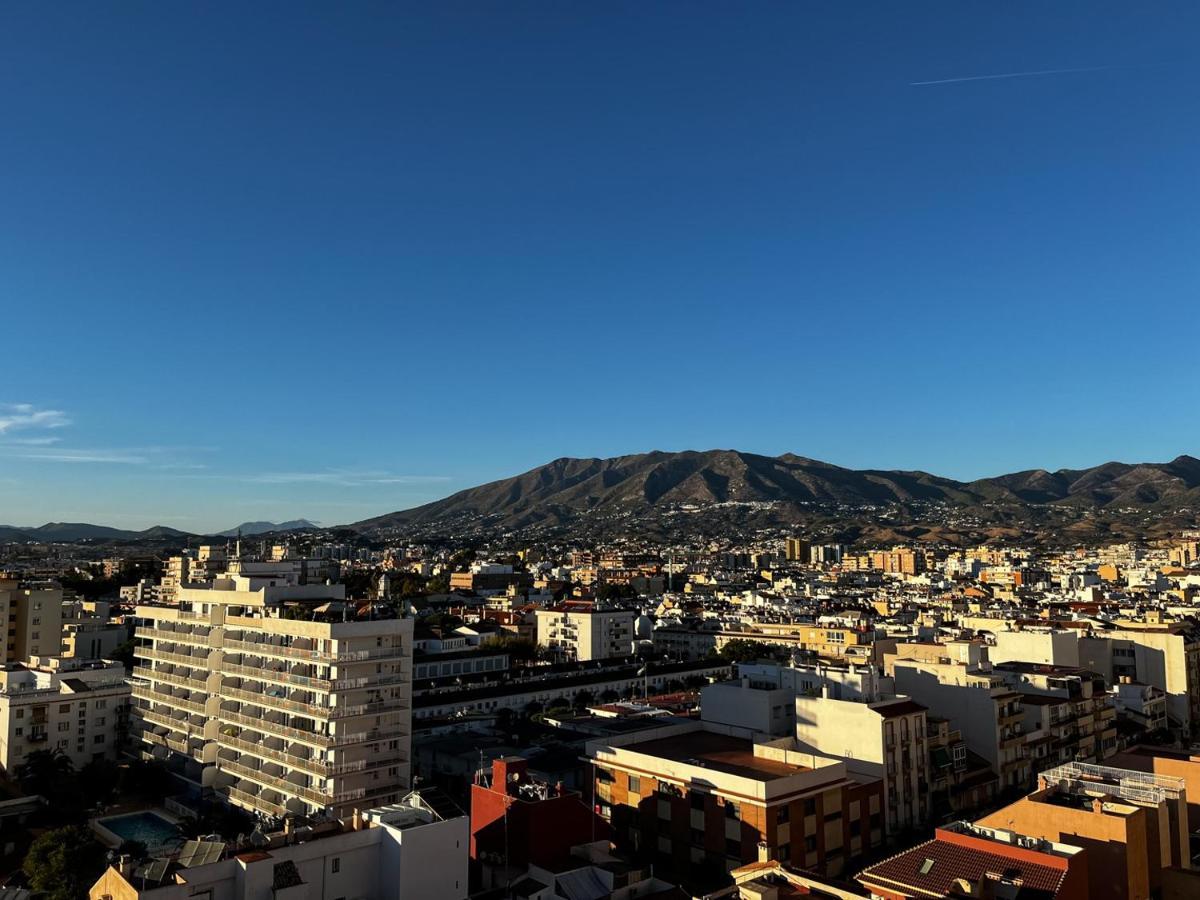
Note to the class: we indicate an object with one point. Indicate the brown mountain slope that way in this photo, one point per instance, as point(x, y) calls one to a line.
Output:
point(567, 489)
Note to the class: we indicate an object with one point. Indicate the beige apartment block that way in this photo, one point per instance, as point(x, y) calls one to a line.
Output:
point(884, 740)
point(276, 696)
point(74, 706)
point(33, 612)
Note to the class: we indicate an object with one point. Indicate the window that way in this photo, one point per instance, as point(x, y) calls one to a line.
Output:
point(18, 732)
point(733, 848)
point(635, 784)
point(833, 816)
point(66, 707)
point(64, 726)
point(855, 828)
point(810, 807)
point(20, 713)
point(782, 815)
point(810, 844)
point(697, 799)
point(336, 865)
point(732, 810)
point(697, 837)
point(98, 739)
point(785, 852)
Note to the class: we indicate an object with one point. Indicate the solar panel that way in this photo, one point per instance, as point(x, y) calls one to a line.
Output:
point(200, 853)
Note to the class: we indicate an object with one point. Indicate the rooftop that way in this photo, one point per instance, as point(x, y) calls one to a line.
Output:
point(721, 752)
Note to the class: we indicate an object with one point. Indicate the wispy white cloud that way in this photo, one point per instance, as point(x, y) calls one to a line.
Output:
point(1033, 73)
point(31, 442)
point(18, 416)
point(85, 456)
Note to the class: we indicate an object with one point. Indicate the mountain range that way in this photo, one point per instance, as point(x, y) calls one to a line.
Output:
point(724, 493)
point(733, 489)
point(249, 529)
point(83, 531)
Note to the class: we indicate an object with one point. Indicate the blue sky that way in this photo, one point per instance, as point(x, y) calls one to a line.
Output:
point(276, 260)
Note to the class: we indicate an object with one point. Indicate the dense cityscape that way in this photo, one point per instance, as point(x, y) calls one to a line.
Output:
point(628, 720)
point(639, 450)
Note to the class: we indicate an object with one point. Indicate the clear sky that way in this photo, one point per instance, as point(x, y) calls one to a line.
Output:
point(274, 260)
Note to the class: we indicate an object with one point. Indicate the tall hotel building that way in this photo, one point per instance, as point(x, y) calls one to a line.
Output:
point(276, 696)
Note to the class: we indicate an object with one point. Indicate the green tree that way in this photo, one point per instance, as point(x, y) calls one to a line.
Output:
point(62, 864)
point(584, 698)
point(49, 773)
point(743, 650)
point(519, 649)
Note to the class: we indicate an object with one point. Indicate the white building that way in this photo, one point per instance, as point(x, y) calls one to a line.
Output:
point(277, 696)
point(406, 851)
point(50, 703)
point(580, 630)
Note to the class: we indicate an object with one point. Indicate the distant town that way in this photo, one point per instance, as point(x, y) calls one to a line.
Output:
point(291, 715)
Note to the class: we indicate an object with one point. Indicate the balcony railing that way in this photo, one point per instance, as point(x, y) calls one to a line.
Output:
point(156, 718)
point(283, 786)
point(312, 766)
point(196, 662)
point(262, 698)
point(258, 723)
point(263, 648)
point(275, 677)
point(158, 675)
point(146, 692)
point(251, 801)
point(178, 637)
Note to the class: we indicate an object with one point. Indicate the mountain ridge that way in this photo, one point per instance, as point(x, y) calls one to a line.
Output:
point(570, 490)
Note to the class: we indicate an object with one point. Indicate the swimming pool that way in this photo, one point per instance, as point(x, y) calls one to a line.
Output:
point(157, 833)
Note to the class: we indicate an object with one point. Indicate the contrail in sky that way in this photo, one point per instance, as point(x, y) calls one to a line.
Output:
point(1012, 75)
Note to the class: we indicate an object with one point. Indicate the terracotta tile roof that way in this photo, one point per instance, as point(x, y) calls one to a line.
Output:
point(932, 868)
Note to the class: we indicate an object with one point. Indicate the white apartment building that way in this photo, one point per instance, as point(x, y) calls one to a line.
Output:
point(579, 630)
point(405, 851)
point(276, 696)
point(49, 703)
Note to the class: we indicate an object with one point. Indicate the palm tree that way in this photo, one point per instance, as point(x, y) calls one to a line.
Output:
point(45, 772)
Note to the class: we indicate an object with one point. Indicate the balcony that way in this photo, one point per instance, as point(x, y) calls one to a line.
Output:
point(278, 677)
point(178, 637)
point(159, 676)
point(258, 723)
point(184, 659)
point(262, 698)
point(281, 785)
point(277, 651)
point(254, 802)
point(146, 692)
point(165, 721)
point(317, 767)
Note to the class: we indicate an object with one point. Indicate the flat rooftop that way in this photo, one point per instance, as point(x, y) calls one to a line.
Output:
point(719, 752)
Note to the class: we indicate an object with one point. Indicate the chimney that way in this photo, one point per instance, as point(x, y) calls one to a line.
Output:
point(288, 825)
point(1097, 805)
point(355, 820)
point(560, 789)
point(125, 866)
point(764, 852)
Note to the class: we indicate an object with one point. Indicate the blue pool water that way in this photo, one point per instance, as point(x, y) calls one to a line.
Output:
point(151, 829)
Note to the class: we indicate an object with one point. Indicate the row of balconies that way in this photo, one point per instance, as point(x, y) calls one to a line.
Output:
point(159, 676)
point(146, 692)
